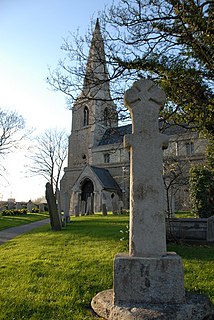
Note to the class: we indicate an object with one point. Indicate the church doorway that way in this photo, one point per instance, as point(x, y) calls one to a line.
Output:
point(87, 197)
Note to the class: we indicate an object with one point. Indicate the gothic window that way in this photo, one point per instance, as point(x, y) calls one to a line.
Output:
point(86, 117)
point(189, 148)
point(176, 148)
point(106, 158)
point(106, 117)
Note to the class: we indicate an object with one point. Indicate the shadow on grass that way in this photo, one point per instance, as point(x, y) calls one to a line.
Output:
point(106, 228)
point(189, 252)
point(93, 227)
point(98, 228)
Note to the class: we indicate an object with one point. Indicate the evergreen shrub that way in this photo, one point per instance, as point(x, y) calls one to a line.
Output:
point(14, 212)
point(202, 191)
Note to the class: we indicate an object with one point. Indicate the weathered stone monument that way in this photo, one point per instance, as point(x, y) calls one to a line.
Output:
point(55, 218)
point(66, 208)
point(18, 206)
point(104, 209)
point(149, 281)
point(30, 206)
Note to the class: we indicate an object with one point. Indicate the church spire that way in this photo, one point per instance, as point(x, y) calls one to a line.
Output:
point(96, 78)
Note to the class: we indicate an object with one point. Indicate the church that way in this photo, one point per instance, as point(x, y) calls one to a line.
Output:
point(96, 178)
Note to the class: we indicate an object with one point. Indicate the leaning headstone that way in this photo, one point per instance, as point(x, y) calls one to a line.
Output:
point(149, 281)
point(55, 219)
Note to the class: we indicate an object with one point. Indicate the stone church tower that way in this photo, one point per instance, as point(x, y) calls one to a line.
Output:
point(93, 111)
point(92, 114)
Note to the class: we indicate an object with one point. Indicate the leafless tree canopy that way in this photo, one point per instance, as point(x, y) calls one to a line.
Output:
point(48, 156)
point(11, 130)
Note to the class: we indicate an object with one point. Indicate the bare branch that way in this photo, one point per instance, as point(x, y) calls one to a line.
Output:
point(48, 156)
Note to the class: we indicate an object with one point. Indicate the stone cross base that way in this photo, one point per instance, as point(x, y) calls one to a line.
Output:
point(140, 280)
point(195, 307)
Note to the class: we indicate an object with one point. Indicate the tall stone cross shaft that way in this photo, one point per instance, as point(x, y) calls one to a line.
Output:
point(147, 203)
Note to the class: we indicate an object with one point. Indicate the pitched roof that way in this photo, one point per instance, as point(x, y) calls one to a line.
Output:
point(115, 135)
point(106, 178)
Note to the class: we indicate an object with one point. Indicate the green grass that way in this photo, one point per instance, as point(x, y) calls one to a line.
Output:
point(184, 214)
point(54, 275)
point(13, 221)
point(198, 268)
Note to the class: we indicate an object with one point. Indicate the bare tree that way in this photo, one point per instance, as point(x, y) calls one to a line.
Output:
point(175, 176)
point(11, 131)
point(48, 156)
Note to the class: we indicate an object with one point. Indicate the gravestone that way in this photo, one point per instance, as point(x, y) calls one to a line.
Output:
point(115, 204)
point(104, 209)
point(30, 206)
point(149, 281)
point(55, 219)
point(18, 205)
point(58, 201)
point(83, 204)
point(66, 208)
point(11, 205)
point(76, 211)
point(88, 206)
point(41, 207)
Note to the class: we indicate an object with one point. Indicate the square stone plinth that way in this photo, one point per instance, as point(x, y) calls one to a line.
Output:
point(139, 280)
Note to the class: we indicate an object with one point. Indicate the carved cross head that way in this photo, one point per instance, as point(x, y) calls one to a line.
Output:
point(144, 100)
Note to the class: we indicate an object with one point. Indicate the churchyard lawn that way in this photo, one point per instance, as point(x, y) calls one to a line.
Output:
point(13, 221)
point(54, 275)
point(184, 214)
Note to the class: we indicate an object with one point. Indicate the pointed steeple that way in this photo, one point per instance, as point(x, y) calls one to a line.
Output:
point(96, 77)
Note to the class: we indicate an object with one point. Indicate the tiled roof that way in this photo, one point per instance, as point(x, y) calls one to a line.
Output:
point(115, 135)
point(106, 178)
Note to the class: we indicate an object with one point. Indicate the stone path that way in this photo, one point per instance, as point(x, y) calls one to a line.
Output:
point(10, 233)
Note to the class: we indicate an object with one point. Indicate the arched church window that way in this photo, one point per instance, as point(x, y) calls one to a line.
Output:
point(105, 116)
point(106, 157)
point(86, 116)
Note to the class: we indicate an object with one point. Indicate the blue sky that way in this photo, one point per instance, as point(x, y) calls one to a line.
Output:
point(31, 33)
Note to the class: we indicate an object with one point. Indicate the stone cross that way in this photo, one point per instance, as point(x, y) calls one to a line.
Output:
point(149, 282)
point(147, 203)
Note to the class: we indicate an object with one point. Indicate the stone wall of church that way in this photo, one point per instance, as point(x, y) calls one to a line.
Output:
point(66, 185)
point(186, 145)
point(110, 154)
point(79, 152)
